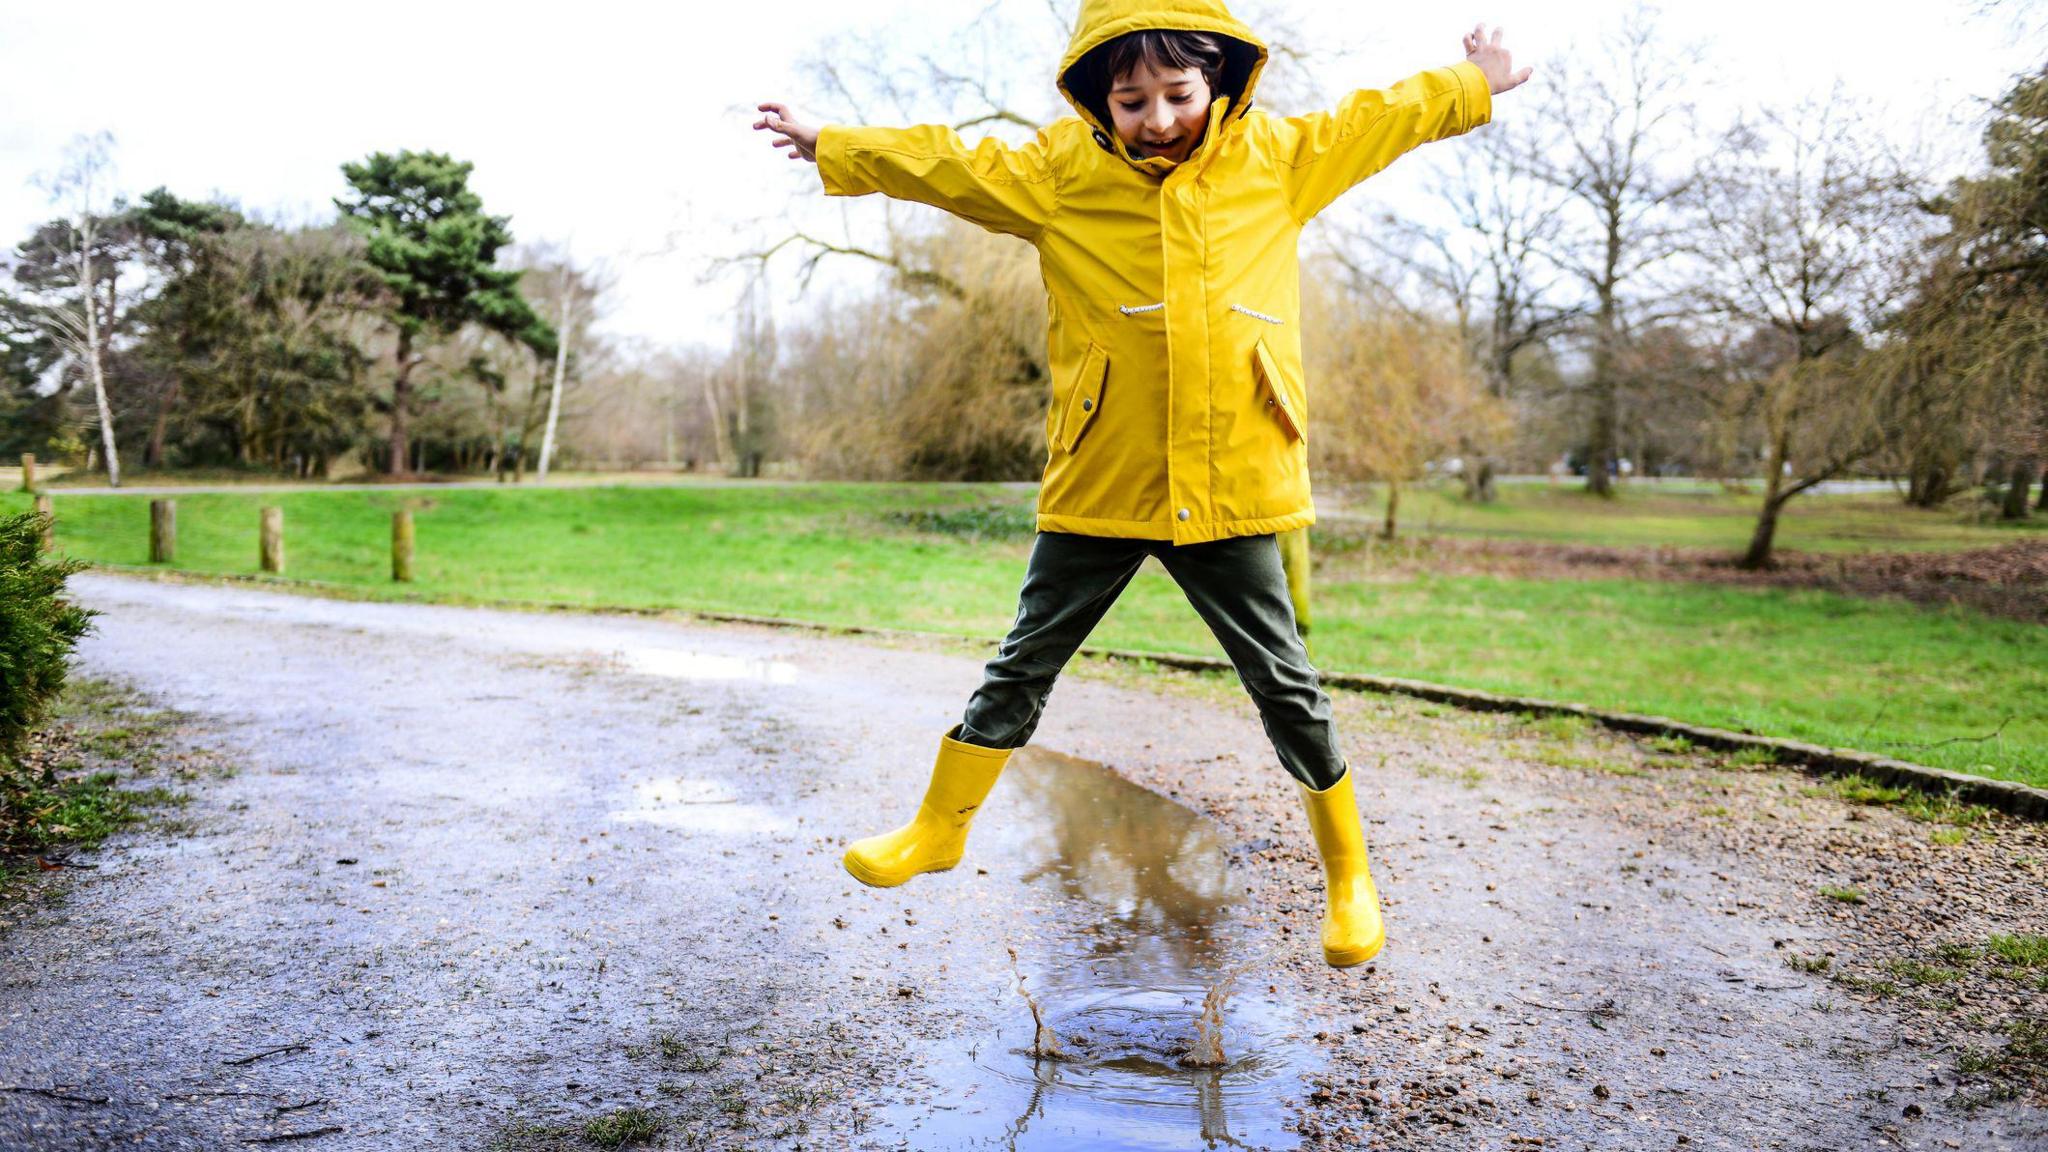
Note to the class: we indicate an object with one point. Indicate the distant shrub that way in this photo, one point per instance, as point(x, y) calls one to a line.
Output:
point(38, 629)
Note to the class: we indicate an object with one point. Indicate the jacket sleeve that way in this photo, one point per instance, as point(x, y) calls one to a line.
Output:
point(1001, 188)
point(1321, 155)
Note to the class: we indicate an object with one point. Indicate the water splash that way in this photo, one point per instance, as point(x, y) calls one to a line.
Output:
point(1045, 1044)
point(1207, 1051)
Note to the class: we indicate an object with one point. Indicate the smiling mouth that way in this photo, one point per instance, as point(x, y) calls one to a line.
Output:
point(1154, 146)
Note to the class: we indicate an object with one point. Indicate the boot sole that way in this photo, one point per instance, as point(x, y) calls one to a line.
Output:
point(874, 879)
point(1352, 957)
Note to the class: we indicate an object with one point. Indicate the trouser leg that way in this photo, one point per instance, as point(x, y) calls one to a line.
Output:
point(1068, 585)
point(1239, 589)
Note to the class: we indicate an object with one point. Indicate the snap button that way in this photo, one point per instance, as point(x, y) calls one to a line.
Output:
point(1183, 513)
point(1087, 405)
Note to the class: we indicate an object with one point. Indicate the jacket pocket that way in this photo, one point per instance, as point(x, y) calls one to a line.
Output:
point(1283, 393)
point(1084, 399)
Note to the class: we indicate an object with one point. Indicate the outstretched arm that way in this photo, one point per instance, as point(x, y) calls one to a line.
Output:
point(1322, 155)
point(1002, 189)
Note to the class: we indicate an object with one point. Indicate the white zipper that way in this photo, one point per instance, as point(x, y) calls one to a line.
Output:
point(1133, 310)
point(1256, 315)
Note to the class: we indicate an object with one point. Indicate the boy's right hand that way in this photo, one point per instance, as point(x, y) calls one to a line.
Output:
point(1493, 59)
point(802, 141)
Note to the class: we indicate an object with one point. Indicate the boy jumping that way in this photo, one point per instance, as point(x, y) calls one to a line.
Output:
point(1166, 218)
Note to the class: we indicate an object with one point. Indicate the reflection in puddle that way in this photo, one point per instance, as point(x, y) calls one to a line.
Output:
point(1131, 986)
point(677, 664)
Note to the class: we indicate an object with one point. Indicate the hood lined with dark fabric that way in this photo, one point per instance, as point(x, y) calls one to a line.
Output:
point(1101, 21)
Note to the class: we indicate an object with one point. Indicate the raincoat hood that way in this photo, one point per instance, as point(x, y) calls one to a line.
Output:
point(1101, 21)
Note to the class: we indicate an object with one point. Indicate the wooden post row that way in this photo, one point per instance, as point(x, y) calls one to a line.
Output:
point(49, 516)
point(1294, 561)
point(163, 531)
point(401, 545)
point(271, 549)
point(28, 471)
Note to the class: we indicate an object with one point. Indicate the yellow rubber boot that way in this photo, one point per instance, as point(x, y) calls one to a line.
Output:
point(935, 838)
point(1352, 928)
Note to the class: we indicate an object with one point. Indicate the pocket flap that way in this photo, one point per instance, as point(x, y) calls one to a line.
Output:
point(1084, 399)
point(1283, 395)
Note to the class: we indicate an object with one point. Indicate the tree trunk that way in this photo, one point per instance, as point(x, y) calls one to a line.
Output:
point(1600, 447)
point(2017, 491)
point(2041, 502)
point(92, 360)
point(401, 404)
point(547, 440)
point(1760, 541)
point(153, 452)
point(1393, 509)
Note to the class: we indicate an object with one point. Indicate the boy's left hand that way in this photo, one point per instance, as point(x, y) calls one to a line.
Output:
point(1493, 59)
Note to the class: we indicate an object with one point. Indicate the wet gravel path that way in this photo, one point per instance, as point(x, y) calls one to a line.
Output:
point(484, 877)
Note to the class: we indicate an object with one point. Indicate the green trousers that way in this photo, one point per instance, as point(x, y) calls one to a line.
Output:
point(1237, 587)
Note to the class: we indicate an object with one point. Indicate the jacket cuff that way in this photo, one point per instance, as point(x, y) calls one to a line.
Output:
point(832, 164)
point(1475, 95)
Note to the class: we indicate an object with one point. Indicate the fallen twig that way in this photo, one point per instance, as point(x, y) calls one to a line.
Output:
point(55, 1094)
point(281, 1137)
point(1984, 739)
point(277, 1051)
point(281, 1109)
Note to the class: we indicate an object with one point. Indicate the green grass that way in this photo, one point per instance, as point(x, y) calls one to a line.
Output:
point(622, 1129)
point(1948, 687)
point(2023, 951)
point(1701, 517)
point(1912, 802)
point(82, 783)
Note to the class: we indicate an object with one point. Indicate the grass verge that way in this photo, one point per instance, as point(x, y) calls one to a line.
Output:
point(1947, 687)
point(102, 764)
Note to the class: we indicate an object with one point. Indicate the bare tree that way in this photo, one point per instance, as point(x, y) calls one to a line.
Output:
point(1397, 388)
point(80, 318)
point(1806, 226)
point(1492, 269)
point(1615, 122)
point(576, 295)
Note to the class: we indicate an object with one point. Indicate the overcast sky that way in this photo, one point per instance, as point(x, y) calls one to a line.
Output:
point(624, 131)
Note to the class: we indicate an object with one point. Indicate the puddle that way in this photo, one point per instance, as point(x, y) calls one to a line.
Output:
point(1146, 942)
point(697, 806)
point(679, 664)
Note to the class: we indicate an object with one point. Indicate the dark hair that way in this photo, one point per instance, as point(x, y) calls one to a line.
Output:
point(1099, 69)
point(1164, 51)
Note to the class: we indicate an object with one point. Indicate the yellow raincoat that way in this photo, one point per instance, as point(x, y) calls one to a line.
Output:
point(1179, 409)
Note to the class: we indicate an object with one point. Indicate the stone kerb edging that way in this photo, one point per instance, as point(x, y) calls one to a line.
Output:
point(2005, 795)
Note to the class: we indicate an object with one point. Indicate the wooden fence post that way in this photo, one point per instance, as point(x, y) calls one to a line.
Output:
point(163, 531)
point(28, 471)
point(49, 516)
point(271, 550)
point(401, 545)
point(1294, 562)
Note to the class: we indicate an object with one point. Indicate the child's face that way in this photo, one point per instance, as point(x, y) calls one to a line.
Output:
point(1160, 113)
